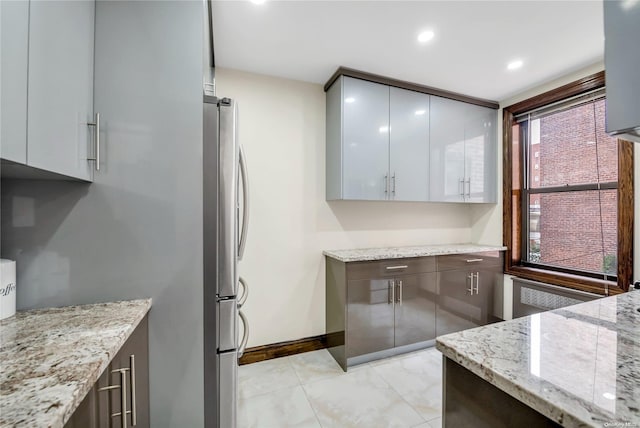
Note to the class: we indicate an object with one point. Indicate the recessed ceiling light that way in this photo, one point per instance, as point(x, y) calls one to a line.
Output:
point(349, 100)
point(425, 36)
point(420, 112)
point(383, 129)
point(258, 1)
point(514, 65)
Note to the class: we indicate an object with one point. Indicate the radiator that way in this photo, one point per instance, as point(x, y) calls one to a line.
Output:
point(530, 297)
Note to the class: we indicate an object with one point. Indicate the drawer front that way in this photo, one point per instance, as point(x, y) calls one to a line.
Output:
point(469, 260)
point(390, 268)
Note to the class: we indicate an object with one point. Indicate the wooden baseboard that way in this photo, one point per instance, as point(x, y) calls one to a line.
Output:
point(282, 349)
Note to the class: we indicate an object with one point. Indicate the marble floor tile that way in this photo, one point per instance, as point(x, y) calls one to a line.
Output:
point(418, 379)
point(317, 365)
point(284, 408)
point(435, 423)
point(359, 399)
point(266, 376)
point(407, 355)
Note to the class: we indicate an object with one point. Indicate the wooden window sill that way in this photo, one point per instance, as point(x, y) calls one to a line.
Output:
point(590, 285)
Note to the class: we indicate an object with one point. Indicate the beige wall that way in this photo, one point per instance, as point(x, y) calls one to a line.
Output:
point(282, 127)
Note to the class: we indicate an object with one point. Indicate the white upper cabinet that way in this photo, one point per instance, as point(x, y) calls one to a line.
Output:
point(60, 96)
point(14, 40)
point(463, 152)
point(409, 145)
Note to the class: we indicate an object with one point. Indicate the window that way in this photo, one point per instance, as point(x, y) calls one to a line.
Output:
point(569, 200)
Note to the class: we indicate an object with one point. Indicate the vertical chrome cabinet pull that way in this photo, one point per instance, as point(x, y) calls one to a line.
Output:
point(123, 397)
point(132, 366)
point(96, 156)
point(461, 186)
point(393, 181)
point(245, 335)
point(400, 292)
point(386, 184)
point(245, 203)
point(470, 278)
point(391, 288)
point(477, 283)
point(468, 182)
point(245, 292)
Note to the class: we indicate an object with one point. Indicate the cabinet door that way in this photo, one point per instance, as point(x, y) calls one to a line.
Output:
point(60, 100)
point(415, 309)
point(446, 150)
point(409, 145)
point(487, 282)
point(365, 140)
point(370, 316)
point(456, 308)
point(14, 39)
point(480, 154)
point(136, 379)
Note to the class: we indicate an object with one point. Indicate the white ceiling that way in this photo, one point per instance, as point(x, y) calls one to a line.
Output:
point(474, 40)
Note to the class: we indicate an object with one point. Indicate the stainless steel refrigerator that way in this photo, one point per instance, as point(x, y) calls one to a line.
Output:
point(226, 211)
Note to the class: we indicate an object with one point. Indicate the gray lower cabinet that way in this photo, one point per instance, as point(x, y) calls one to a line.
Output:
point(378, 306)
point(469, 291)
point(124, 383)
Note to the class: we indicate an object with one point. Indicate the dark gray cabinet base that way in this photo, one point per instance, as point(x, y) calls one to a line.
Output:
point(102, 406)
point(470, 401)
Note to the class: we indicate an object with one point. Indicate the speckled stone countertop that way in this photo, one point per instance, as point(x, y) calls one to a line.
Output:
point(50, 358)
point(579, 365)
point(368, 254)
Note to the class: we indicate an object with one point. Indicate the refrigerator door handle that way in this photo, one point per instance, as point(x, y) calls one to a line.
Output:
point(245, 292)
point(245, 203)
point(245, 334)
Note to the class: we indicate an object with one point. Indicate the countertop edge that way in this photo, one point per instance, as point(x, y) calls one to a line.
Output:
point(524, 395)
point(91, 380)
point(427, 251)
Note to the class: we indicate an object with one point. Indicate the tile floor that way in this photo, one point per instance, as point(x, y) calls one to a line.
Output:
point(311, 390)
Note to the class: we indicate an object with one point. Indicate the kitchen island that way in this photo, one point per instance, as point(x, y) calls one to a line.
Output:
point(577, 366)
point(51, 358)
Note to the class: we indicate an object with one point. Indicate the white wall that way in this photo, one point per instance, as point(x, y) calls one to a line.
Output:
point(282, 127)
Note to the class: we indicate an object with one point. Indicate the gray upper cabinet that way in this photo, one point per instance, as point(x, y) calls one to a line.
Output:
point(409, 145)
point(365, 145)
point(14, 39)
point(463, 152)
point(377, 142)
point(622, 61)
point(47, 88)
point(60, 95)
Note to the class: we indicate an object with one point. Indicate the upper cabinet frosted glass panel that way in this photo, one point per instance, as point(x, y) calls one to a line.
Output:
point(365, 139)
point(409, 145)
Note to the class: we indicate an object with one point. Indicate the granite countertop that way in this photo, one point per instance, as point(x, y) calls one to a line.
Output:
point(368, 254)
point(50, 358)
point(579, 365)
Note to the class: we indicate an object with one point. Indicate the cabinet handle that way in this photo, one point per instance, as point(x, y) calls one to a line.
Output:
point(461, 187)
point(391, 290)
point(468, 181)
point(386, 184)
point(393, 181)
point(400, 292)
point(474, 260)
point(396, 267)
point(96, 156)
point(123, 398)
point(477, 283)
point(132, 366)
point(470, 278)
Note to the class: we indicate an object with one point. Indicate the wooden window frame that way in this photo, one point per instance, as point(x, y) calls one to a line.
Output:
point(625, 200)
